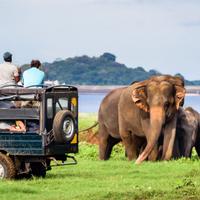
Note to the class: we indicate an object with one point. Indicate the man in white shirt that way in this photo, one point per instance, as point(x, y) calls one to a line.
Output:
point(9, 74)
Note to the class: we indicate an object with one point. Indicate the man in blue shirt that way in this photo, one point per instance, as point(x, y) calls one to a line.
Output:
point(33, 76)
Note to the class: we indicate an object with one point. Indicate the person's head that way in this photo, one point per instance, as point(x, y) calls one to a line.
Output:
point(35, 63)
point(7, 56)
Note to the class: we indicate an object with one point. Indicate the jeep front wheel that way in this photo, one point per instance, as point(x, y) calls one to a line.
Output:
point(63, 126)
point(7, 167)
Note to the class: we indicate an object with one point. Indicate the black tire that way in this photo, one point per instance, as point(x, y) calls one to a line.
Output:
point(7, 167)
point(63, 126)
point(38, 169)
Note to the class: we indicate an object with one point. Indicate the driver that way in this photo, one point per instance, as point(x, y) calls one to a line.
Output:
point(9, 73)
point(33, 76)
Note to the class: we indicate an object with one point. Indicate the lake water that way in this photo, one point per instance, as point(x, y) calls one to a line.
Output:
point(89, 102)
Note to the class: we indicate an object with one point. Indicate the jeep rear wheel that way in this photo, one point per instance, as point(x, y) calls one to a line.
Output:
point(63, 126)
point(7, 167)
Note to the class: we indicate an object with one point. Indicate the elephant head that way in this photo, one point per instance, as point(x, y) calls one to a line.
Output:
point(160, 96)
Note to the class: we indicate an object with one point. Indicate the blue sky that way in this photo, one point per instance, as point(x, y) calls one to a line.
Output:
point(159, 34)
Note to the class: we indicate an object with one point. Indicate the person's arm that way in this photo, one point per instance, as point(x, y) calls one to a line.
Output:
point(43, 78)
point(18, 127)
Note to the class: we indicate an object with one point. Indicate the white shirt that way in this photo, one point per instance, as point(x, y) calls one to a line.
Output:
point(7, 73)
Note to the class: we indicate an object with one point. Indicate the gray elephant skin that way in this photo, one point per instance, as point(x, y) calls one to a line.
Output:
point(187, 133)
point(141, 111)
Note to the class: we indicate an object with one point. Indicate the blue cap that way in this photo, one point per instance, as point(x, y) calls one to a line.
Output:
point(7, 55)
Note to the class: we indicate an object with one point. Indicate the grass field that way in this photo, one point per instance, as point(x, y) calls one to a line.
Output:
point(115, 179)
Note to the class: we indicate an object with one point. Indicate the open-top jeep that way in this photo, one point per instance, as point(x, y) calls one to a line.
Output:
point(50, 117)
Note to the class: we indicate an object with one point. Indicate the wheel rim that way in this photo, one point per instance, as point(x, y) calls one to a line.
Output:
point(2, 171)
point(68, 128)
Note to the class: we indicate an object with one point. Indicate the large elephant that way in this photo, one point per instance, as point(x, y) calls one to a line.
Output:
point(187, 133)
point(141, 110)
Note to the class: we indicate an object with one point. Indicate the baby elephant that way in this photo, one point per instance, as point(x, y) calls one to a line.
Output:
point(187, 133)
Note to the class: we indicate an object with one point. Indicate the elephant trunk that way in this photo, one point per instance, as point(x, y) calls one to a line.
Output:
point(157, 119)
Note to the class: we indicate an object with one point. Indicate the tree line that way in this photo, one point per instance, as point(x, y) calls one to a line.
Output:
point(102, 70)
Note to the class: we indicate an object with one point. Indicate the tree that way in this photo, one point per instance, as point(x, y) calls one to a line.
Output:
point(109, 57)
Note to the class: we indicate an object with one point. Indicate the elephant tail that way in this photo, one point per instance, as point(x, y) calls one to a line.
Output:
point(91, 127)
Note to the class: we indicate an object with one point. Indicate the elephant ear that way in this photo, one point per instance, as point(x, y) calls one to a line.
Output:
point(180, 90)
point(177, 80)
point(179, 97)
point(139, 97)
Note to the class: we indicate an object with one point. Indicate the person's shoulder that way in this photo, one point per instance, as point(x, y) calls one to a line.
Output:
point(11, 65)
point(8, 66)
point(29, 69)
point(26, 71)
point(41, 72)
point(4, 64)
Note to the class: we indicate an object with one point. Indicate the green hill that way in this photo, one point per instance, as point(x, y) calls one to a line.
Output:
point(102, 70)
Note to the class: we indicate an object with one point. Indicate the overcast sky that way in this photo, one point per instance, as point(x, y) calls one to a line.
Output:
point(156, 34)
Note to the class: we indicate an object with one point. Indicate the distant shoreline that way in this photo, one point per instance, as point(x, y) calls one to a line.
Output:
point(190, 90)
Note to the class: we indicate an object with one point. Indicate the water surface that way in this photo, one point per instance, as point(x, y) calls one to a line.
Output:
point(89, 102)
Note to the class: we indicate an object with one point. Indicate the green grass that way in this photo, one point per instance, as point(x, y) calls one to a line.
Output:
point(116, 179)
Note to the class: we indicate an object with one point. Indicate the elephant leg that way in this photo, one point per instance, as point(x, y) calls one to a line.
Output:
point(197, 148)
point(111, 142)
point(197, 142)
point(169, 138)
point(160, 150)
point(103, 141)
point(176, 149)
point(140, 143)
point(130, 146)
point(187, 151)
point(160, 147)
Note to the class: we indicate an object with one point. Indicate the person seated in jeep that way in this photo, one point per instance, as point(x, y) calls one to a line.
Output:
point(33, 76)
point(9, 73)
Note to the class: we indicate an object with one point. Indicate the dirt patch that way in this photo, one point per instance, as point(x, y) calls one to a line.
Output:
point(89, 136)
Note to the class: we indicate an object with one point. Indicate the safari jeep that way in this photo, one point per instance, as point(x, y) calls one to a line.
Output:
point(50, 118)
